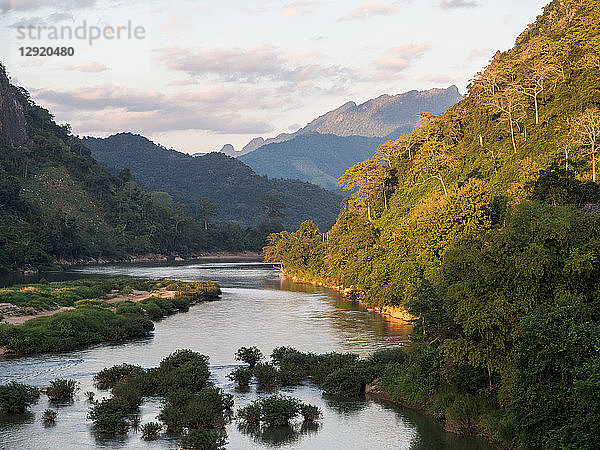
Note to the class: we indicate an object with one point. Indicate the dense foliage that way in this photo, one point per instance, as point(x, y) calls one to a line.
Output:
point(16, 397)
point(94, 321)
point(233, 186)
point(62, 390)
point(483, 224)
point(191, 408)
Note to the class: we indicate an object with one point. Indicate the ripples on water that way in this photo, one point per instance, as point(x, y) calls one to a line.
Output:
point(257, 308)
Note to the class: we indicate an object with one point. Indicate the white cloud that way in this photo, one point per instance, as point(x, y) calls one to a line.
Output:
point(89, 67)
point(455, 4)
point(370, 8)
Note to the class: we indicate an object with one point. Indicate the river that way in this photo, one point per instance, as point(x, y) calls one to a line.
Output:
point(257, 308)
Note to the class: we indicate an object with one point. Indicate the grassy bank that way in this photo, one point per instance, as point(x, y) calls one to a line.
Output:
point(98, 311)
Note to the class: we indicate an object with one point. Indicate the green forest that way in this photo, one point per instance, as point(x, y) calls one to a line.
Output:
point(235, 188)
point(58, 203)
point(484, 225)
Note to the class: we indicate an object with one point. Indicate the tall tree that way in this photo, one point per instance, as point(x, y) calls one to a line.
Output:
point(207, 207)
point(587, 127)
point(272, 206)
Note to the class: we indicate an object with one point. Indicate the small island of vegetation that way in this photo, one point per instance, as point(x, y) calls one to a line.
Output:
point(69, 315)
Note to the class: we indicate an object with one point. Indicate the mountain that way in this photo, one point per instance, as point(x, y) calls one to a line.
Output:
point(321, 151)
point(235, 187)
point(317, 158)
point(384, 116)
point(483, 225)
point(57, 202)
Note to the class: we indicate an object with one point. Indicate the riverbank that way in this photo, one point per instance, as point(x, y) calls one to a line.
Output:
point(72, 315)
point(395, 312)
point(158, 257)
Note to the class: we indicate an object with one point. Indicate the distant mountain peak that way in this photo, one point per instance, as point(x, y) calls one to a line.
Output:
point(384, 116)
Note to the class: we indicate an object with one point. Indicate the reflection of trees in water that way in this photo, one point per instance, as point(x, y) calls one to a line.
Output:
point(279, 435)
point(345, 406)
point(430, 432)
point(346, 316)
point(7, 420)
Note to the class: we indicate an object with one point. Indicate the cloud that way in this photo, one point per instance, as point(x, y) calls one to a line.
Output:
point(456, 4)
point(89, 67)
point(399, 58)
point(30, 5)
point(296, 8)
point(370, 8)
point(108, 108)
point(261, 62)
point(478, 53)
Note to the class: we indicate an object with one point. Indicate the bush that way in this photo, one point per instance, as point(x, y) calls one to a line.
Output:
point(249, 355)
point(310, 413)
point(202, 439)
point(62, 390)
point(110, 376)
point(109, 415)
point(15, 398)
point(204, 409)
point(89, 395)
point(151, 431)
point(49, 417)
point(265, 374)
point(388, 356)
point(241, 375)
point(349, 380)
point(182, 370)
point(276, 411)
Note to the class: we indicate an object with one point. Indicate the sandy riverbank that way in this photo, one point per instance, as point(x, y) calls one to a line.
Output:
point(135, 296)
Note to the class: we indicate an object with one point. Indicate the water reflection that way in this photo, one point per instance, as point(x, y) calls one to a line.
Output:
point(277, 436)
point(257, 308)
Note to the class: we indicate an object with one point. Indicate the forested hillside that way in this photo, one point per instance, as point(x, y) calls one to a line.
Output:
point(238, 192)
point(317, 158)
point(57, 202)
point(484, 225)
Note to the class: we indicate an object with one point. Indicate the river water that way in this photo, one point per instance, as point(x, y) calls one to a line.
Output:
point(257, 308)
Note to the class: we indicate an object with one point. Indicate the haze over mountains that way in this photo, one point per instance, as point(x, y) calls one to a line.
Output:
point(321, 151)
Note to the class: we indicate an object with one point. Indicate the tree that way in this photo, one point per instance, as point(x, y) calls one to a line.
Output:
point(587, 127)
point(538, 77)
point(365, 180)
point(510, 107)
point(432, 160)
point(178, 216)
point(272, 206)
point(207, 207)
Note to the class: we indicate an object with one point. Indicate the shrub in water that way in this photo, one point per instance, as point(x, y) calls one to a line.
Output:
point(15, 398)
point(110, 376)
point(348, 381)
point(62, 390)
point(202, 439)
point(310, 413)
point(249, 355)
point(204, 409)
point(266, 374)
point(109, 415)
point(276, 411)
point(151, 431)
point(241, 375)
point(49, 417)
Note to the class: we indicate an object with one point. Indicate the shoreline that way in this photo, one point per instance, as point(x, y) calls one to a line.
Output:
point(64, 263)
point(395, 312)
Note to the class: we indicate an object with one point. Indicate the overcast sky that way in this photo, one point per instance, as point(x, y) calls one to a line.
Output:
point(210, 72)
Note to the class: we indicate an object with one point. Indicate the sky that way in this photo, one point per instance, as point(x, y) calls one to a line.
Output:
point(195, 75)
